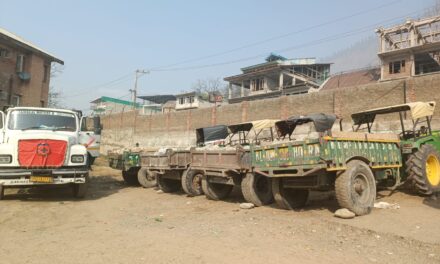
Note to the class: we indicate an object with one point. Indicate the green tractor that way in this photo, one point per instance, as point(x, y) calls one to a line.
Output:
point(128, 162)
point(420, 145)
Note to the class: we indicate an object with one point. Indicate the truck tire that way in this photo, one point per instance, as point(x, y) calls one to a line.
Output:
point(257, 189)
point(146, 178)
point(80, 189)
point(168, 185)
point(216, 191)
point(130, 176)
point(355, 188)
point(2, 192)
point(288, 198)
point(423, 170)
point(192, 182)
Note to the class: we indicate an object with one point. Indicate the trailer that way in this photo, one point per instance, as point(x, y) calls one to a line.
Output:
point(352, 163)
point(222, 168)
point(170, 167)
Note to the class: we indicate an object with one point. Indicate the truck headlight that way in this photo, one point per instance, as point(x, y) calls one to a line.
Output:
point(77, 159)
point(5, 159)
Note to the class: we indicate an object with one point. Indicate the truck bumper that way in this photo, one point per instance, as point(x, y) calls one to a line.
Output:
point(23, 177)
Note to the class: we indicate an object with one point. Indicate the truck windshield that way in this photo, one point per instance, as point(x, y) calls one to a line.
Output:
point(41, 120)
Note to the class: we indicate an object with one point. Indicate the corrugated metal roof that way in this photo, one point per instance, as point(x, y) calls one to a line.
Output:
point(26, 44)
point(158, 99)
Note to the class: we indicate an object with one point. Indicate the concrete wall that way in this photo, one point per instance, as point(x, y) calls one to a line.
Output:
point(177, 129)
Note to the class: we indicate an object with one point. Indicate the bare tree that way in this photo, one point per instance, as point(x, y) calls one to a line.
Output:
point(55, 97)
point(210, 85)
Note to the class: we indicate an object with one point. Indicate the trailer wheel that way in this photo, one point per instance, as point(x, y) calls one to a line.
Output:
point(80, 189)
point(168, 185)
point(257, 189)
point(146, 178)
point(288, 198)
point(355, 188)
point(130, 176)
point(216, 191)
point(423, 169)
point(192, 182)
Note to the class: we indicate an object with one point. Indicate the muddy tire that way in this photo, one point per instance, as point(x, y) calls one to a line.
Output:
point(423, 170)
point(168, 185)
point(257, 189)
point(288, 198)
point(146, 178)
point(80, 190)
point(216, 191)
point(192, 182)
point(130, 176)
point(2, 192)
point(355, 188)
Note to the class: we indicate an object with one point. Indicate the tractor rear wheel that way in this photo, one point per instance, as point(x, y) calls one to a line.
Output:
point(355, 188)
point(168, 185)
point(216, 191)
point(288, 198)
point(192, 182)
point(146, 178)
point(423, 170)
point(130, 176)
point(257, 189)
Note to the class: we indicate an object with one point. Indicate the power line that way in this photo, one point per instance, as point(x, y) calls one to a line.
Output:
point(278, 37)
point(106, 84)
point(311, 43)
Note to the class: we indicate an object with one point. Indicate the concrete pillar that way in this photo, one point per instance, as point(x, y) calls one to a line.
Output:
point(281, 82)
point(230, 91)
point(242, 89)
point(412, 65)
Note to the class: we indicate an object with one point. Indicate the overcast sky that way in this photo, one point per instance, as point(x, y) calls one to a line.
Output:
point(103, 41)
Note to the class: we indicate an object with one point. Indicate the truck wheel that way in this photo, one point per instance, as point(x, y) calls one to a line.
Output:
point(2, 192)
point(80, 189)
point(257, 189)
point(423, 169)
point(146, 178)
point(130, 176)
point(168, 185)
point(355, 188)
point(288, 198)
point(192, 182)
point(216, 191)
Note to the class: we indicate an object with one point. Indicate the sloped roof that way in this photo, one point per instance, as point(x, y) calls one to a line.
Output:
point(354, 78)
point(169, 104)
point(4, 34)
point(158, 99)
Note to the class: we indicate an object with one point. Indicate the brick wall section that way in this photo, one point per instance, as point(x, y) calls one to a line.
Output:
point(177, 128)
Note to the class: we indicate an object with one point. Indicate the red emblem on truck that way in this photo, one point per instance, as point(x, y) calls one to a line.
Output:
point(43, 149)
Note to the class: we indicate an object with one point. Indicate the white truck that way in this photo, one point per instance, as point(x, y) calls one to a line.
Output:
point(41, 146)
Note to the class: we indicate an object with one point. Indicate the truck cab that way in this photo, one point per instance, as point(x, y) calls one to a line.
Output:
point(40, 146)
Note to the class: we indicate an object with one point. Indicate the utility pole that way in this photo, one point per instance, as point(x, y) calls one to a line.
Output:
point(138, 73)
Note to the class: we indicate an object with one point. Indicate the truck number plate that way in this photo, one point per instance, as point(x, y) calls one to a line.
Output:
point(42, 179)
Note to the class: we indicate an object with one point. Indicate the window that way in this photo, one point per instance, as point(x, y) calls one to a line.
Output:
point(4, 53)
point(191, 99)
point(181, 100)
point(20, 63)
point(15, 100)
point(45, 73)
point(42, 103)
point(257, 84)
point(396, 67)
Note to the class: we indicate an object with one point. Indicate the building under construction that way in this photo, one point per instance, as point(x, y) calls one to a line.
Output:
point(410, 49)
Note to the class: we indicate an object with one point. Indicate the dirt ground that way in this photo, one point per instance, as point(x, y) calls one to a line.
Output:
point(121, 224)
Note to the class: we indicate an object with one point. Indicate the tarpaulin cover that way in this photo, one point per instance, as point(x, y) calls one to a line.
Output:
point(322, 123)
point(417, 110)
point(256, 125)
point(206, 134)
point(41, 152)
